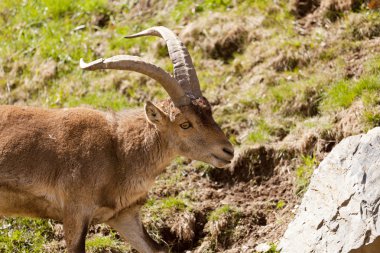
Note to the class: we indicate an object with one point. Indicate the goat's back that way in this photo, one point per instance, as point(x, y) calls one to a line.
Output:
point(43, 148)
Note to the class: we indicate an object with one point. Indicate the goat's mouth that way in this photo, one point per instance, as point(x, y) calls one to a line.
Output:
point(219, 159)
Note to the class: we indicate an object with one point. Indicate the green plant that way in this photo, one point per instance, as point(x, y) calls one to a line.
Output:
point(24, 235)
point(101, 243)
point(220, 212)
point(280, 204)
point(221, 224)
point(162, 207)
point(262, 132)
point(304, 172)
point(343, 93)
point(372, 118)
point(273, 248)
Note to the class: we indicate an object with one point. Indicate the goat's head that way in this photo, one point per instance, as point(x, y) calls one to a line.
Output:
point(187, 116)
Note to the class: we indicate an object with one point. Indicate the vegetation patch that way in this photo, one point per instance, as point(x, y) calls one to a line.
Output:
point(304, 172)
point(221, 223)
point(24, 234)
point(101, 243)
point(343, 93)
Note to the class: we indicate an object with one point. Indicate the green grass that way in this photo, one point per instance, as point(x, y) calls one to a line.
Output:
point(273, 248)
point(24, 235)
point(221, 224)
point(169, 203)
point(104, 100)
point(159, 209)
point(156, 212)
point(280, 204)
point(372, 118)
point(187, 8)
point(304, 172)
point(343, 93)
point(46, 27)
point(282, 93)
point(217, 214)
point(98, 244)
point(262, 132)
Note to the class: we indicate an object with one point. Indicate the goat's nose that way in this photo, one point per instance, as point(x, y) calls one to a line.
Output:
point(229, 151)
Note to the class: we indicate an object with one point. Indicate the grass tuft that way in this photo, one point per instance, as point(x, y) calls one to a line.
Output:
point(99, 243)
point(24, 234)
point(343, 93)
point(304, 172)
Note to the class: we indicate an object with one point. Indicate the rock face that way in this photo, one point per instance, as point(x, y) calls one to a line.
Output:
point(339, 212)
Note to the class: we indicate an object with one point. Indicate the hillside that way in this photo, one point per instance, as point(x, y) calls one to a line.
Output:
point(287, 82)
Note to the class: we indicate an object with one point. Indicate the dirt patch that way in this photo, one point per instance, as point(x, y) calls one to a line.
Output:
point(300, 8)
point(220, 38)
point(289, 59)
point(100, 20)
point(312, 12)
point(45, 71)
point(349, 121)
point(233, 42)
point(252, 189)
point(363, 27)
point(341, 5)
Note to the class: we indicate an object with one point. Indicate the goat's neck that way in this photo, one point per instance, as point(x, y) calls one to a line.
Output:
point(142, 149)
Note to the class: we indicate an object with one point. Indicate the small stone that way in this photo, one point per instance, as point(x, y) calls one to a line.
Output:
point(262, 247)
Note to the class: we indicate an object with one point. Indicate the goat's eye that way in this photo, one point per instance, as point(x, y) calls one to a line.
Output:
point(185, 125)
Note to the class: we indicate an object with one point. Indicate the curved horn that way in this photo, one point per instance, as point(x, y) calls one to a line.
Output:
point(134, 63)
point(184, 71)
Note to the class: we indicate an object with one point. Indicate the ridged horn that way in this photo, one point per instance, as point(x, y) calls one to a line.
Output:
point(134, 63)
point(184, 71)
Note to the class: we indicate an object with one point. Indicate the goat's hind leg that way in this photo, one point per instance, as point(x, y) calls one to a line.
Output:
point(129, 226)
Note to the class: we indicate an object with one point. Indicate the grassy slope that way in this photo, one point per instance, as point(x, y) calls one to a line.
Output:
point(289, 81)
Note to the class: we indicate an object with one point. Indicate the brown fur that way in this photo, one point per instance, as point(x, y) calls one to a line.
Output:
point(83, 166)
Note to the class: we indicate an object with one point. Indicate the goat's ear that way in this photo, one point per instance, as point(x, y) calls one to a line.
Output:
point(154, 114)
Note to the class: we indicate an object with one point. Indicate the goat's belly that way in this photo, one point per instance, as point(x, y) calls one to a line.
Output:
point(19, 203)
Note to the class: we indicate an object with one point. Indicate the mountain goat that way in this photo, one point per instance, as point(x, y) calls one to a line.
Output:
point(84, 166)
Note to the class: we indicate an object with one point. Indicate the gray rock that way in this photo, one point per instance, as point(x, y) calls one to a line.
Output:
point(339, 211)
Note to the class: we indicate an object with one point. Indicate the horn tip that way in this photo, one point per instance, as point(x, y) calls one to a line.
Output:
point(135, 35)
point(82, 63)
point(90, 66)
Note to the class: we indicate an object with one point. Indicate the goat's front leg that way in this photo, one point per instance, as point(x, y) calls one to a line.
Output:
point(129, 226)
point(75, 226)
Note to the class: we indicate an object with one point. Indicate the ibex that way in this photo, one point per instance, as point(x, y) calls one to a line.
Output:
point(82, 166)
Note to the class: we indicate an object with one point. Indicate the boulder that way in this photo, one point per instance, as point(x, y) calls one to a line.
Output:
point(339, 211)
